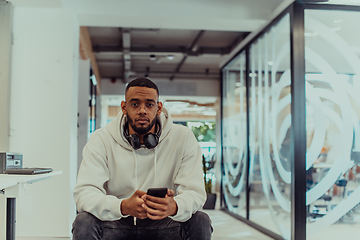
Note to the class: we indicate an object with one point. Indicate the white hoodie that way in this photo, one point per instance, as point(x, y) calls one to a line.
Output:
point(111, 170)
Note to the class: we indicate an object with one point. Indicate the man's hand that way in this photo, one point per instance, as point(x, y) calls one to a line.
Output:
point(133, 205)
point(159, 208)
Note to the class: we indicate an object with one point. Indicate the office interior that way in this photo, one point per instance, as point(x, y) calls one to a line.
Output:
point(284, 93)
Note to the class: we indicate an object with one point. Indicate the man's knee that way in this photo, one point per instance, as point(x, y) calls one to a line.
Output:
point(200, 218)
point(197, 227)
point(85, 224)
point(84, 219)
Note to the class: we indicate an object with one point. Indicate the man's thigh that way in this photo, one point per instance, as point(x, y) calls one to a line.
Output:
point(144, 229)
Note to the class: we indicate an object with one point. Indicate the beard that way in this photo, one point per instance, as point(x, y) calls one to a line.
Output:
point(141, 130)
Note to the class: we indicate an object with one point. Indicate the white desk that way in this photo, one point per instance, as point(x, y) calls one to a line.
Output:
point(13, 186)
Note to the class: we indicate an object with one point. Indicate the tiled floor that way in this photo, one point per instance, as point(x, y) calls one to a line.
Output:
point(228, 228)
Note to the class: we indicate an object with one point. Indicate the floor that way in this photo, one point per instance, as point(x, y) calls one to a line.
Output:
point(228, 228)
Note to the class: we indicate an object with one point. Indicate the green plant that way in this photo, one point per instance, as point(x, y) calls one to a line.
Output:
point(206, 179)
point(203, 131)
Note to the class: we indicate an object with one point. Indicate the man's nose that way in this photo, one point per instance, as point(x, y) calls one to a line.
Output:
point(142, 109)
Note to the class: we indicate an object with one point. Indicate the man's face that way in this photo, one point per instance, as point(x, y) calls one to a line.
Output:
point(141, 107)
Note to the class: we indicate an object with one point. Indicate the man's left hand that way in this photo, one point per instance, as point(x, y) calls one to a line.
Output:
point(159, 208)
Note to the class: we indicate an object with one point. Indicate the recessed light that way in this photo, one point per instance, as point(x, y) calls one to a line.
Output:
point(152, 57)
point(270, 63)
point(170, 57)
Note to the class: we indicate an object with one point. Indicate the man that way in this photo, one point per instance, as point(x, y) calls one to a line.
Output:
point(138, 150)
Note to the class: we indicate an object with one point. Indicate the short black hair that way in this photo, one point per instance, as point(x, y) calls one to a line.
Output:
point(142, 82)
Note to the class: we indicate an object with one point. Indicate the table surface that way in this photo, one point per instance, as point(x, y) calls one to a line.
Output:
point(9, 180)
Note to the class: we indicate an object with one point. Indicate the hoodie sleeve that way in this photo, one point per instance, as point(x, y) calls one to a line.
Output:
point(89, 192)
point(189, 181)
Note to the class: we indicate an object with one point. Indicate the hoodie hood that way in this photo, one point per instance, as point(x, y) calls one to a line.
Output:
point(116, 127)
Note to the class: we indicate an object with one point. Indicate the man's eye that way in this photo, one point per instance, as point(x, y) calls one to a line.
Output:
point(149, 105)
point(134, 104)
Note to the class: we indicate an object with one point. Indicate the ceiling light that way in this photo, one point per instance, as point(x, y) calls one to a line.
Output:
point(152, 57)
point(253, 75)
point(307, 34)
point(170, 57)
point(337, 21)
point(209, 113)
point(270, 63)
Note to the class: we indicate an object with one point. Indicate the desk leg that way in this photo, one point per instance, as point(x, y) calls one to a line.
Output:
point(10, 219)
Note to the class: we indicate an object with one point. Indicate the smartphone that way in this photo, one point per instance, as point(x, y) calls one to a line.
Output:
point(157, 192)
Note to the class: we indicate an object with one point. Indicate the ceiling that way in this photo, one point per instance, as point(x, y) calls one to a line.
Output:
point(167, 40)
point(188, 40)
point(127, 53)
point(185, 41)
point(164, 39)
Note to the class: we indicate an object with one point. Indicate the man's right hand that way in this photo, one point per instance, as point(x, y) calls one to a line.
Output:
point(132, 206)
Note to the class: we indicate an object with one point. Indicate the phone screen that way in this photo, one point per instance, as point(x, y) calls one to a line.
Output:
point(157, 192)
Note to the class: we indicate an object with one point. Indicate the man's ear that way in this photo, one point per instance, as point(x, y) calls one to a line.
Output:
point(123, 107)
point(159, 110)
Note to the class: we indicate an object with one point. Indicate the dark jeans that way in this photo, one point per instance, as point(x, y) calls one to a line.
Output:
point(87, 227)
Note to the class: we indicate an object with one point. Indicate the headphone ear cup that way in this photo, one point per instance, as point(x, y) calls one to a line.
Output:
point(151, 140)
point(134, 141)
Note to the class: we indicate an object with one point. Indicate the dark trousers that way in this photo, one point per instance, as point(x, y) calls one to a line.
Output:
point(87, 227)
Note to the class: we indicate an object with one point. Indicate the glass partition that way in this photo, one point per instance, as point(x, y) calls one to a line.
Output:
point(329, 176)
point(270, 122)
point(332, 61)
point(235, 135)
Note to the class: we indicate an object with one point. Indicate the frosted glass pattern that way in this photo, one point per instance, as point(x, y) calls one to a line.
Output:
point(235, 135)
point(270, 122)
point(333, 129)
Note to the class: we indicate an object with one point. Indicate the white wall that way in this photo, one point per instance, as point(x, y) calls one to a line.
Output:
point(5, 58)
point(44, 95)
point(6, 11)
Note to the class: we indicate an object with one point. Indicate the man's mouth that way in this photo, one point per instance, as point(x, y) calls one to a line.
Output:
point(142, 120)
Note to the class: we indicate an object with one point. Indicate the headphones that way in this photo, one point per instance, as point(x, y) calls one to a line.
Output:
point(151, 140)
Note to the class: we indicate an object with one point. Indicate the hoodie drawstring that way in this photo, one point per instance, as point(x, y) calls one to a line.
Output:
point(136, 167)
point(155, 167)
point(136, 184)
